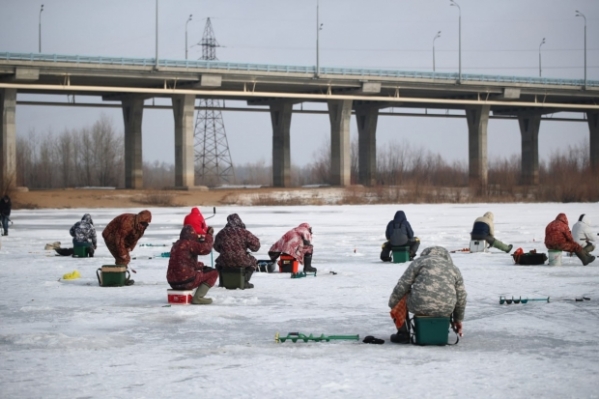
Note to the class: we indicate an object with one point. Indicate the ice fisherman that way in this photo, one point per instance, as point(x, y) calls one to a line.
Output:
point(185, 272)
point(123, 232)
point(399, 233)
point(484, 229)
point(5, 206)
point(431, 286)
point(234, 243)
point(297, 243)
point(582, 234)
point(196, 220)
point(84, 234)
point(559, 237)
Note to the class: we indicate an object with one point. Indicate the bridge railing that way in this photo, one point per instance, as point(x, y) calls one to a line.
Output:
point(295, 69)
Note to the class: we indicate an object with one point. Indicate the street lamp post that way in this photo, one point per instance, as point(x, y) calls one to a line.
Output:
point(318, 29)
point(579, 14)
point(40, 30)
point(188, 19)
point(542, 42)
point(453, 3)
point(156, 66)
point(438, 35)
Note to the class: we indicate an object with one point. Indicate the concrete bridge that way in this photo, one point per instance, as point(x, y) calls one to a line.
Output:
point(363, 92)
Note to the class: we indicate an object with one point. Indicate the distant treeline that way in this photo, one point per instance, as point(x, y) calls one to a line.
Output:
point(94, 156)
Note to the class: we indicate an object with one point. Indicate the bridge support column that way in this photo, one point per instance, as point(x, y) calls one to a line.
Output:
point(8, 139)
point(593, 118)
point(340, 115)
point(280, 116)
point(367, 117)
point(478, 120)
point(183, 108)
point(133, 108)
point(529, 129)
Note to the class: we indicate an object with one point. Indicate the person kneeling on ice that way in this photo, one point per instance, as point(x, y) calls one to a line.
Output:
point(297, 243)
point(558, 237)
point(84, 235)
point(196, 220)
point(233, 243)
point(484, 229)
point(399, 233)
point(582, 234)
point(122, 233)
point(185, 272)
point(431, 286)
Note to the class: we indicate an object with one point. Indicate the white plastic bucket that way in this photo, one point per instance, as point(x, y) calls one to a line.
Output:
point(555, 257)
point(477, 245)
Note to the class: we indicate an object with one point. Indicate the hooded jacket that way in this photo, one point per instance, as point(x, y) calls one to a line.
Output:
point(296, 242)
point(183, 263)
point(484, 225)
point(581, 231)
point(558, 236)
point(233, 243)
point(5, 206)
point(123, 232)
point(399, 222)
point(196, 220)
point(434, 286)
point(84, 232)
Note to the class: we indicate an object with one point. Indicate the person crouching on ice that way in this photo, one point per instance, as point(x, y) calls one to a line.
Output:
point(431, 286)
point(84, 234)
point(297, 243)
point(185, 272)
point(399, 233)
point(233, 243)
point(484, 229)
point(122, 233)
point(559, 237)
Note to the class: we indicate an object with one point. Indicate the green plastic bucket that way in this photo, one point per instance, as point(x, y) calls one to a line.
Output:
point(112, 275)
point(401, 254)
point(431, 330)
point(233, 278)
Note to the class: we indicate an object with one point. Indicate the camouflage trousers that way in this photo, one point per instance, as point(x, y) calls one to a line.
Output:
point(399, 313)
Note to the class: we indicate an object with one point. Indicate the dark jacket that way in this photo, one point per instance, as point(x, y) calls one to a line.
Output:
point(403, 230)
point(183, 263)
point(233, 243)
point(5, 206)
point(84, 232)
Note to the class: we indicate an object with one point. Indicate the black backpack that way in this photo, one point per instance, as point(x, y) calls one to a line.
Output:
point(398, 236)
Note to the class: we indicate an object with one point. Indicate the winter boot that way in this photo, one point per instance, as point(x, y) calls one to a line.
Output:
point(589, 248)
point(64, 251)
point(308, 264)
point(501, 246)
point(198, 297)
point(585, 257)
point(386, 252)
point(248, 274)
point(402, 336)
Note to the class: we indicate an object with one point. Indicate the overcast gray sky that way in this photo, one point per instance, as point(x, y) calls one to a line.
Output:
point(499, 37)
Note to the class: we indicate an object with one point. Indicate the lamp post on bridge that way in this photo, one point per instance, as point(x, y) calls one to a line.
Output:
point(438, 35)
point(579, 14)
point(188, 19)
point(453, 3)
point(40, 30)
point(156, 66)
point(318, 29)
point(542, 42)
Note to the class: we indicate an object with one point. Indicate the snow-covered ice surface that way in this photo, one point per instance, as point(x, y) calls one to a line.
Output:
point(74, 339)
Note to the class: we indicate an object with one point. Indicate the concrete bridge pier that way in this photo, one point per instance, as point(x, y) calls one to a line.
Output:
point(478, 120)
point(280, 116)
point(367, 118)
point(8, 138)
point(529, 129)
point(183, 109)
point(593, 118)
point(340, 115)
point(133, 107)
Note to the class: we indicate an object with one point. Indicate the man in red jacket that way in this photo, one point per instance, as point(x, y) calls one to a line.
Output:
point(196, 220)
point(559, 237)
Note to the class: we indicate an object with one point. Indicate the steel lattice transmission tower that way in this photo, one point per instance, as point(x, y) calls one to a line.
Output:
point(213, 164)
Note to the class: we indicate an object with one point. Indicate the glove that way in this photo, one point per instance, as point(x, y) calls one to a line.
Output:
point(210, 230)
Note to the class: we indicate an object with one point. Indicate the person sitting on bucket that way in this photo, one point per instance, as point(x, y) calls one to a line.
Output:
point(123, 232)
point(185, 272)
point(484, 229)
point(196, 220)
point(233, 243)
point(431, 286)
point(84, 234)
point(558, 237)
point(582, 234)
point(297, 243)
point(399, 233)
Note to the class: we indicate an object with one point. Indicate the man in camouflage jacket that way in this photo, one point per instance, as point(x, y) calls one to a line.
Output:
point(84, 234)
point(431, 286)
